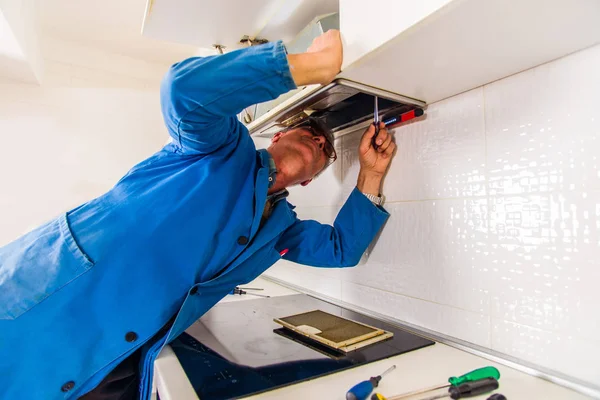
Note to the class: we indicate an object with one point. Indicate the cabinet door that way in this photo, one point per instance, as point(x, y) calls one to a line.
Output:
point(469, 43)
point(366, 25)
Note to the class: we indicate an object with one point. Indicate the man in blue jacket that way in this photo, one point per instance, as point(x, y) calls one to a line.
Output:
point(105, 286)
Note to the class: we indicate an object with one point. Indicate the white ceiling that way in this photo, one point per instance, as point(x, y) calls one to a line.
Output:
point(207, 22)
point(111, 25)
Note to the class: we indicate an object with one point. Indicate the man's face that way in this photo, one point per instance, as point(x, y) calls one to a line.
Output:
point(302, 154)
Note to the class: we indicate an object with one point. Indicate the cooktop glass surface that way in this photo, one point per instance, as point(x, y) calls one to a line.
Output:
point(236, 350)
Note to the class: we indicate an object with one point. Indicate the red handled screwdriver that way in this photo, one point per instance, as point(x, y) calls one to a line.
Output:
point(407, 116)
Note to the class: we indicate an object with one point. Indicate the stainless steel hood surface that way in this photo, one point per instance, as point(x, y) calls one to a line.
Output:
point(340, 106)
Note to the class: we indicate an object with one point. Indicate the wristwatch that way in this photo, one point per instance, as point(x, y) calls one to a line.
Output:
point(377, 200)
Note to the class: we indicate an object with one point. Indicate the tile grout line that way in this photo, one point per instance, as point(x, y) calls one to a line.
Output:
point(487, 197)
point(488, 204)
point(417, 298)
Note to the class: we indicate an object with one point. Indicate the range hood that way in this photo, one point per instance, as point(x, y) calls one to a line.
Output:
point(342, 106)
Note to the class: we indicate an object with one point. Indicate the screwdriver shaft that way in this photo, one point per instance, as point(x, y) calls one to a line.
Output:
point(259, 295)
point(390, 369)
point(414, 392)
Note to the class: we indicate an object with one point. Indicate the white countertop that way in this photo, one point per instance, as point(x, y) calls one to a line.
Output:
point(417, 369)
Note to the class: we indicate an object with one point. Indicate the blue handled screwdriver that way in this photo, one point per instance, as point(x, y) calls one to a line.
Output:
point(362, 390)
point(240, 291)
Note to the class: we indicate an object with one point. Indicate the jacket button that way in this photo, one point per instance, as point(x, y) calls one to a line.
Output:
point(131, 336)
point(67, 386)
point(242, 240)
point(194, 290)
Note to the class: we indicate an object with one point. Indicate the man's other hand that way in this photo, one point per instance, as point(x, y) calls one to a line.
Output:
point(321, 62)
point(329, 47)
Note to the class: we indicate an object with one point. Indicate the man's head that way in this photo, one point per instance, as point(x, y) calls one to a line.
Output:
point(301, 153)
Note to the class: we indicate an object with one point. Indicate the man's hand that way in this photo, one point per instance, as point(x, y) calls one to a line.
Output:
point(321, 62)
point(374, 163)
point(328, 46)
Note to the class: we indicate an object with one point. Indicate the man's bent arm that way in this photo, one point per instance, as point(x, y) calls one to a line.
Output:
point(201, 96)
point(341, 245)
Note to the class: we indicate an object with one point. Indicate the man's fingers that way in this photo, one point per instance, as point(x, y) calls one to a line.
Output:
point(386, 139)
point(365, 142)
point(389, 152)
point(369, 132)
point(382, 140)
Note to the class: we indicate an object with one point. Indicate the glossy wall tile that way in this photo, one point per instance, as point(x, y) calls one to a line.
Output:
point(543, 127)
point(564, 353)
point(494, 233)
point(432, 250)
point(472, 327)
point(324, 281)
point(545, 261)
point(442, 155)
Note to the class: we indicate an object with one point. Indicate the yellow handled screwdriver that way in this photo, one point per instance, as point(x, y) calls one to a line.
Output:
point(475, 375)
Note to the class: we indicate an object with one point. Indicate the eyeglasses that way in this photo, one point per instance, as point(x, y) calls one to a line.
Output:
point(327, 146)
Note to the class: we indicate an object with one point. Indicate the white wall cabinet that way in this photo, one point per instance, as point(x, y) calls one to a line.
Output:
point(367, 25)
point(440, 48)
point(427, 50)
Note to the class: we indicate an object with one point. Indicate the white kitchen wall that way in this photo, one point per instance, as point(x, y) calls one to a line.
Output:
point(494, 234)
point(70, 139)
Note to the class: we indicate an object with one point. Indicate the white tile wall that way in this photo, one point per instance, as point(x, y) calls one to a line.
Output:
point(544, 260)
point(543, 127)
point(72, 138)
point(443, 155)
point(472, 327)
point(324, 281)
point(432, 250)
point(560, 352)
point(494, 234)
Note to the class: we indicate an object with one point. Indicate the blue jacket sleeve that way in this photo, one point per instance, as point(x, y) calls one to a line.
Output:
point(201, 96)
point(341, 245)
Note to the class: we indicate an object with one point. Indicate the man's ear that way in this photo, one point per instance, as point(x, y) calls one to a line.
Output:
point(276, 137)
point(306, 182)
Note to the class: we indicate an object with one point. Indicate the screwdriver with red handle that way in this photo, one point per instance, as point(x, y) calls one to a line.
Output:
point(392, 121)
point(407, 116)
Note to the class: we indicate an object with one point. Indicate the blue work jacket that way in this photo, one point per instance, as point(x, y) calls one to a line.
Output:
point(178, 232)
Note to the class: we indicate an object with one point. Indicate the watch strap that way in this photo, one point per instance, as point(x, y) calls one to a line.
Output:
point(377, 200)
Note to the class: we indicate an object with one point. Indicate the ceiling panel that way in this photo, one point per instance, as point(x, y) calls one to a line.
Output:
point(204, 23)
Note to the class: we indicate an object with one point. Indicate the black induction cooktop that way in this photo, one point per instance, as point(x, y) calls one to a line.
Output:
point(236, 350)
